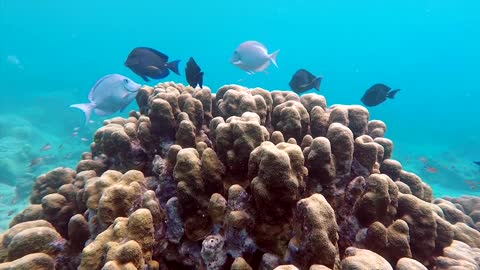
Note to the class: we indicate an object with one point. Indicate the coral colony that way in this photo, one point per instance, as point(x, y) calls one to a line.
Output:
point(240, 179)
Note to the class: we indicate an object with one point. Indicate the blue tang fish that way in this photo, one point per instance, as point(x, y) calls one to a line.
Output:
point(110, 94)
point(252, 56)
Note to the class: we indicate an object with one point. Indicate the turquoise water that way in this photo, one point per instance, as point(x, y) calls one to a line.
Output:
point(52, 52)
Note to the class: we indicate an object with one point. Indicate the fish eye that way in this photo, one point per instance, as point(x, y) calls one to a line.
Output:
point(125, 80)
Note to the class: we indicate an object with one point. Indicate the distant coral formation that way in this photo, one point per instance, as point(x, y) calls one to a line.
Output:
point(240, 179)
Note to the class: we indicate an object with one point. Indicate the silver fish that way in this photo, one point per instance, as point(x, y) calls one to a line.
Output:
point(110, 94)
point(252, 56)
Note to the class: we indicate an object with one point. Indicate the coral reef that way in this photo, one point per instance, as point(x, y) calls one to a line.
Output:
point(240, 179)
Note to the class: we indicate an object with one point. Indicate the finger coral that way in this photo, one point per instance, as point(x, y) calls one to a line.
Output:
point(240, 178)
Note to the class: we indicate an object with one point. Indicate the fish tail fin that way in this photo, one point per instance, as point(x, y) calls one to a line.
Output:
point(173, 66)
point(87, 109)
point(273, 57)
point(317, 82)
point(392, 93)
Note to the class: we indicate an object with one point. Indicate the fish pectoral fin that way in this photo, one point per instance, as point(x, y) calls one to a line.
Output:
point(145, 78)
point(124, 96)
point(239, 62)
point(152, 68)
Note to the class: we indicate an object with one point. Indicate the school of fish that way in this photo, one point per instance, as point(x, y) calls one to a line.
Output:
point(114, 92)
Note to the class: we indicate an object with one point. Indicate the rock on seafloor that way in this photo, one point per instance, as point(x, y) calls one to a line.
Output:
point(243, 178)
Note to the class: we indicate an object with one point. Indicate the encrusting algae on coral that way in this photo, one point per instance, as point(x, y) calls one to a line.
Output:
point(240, 179)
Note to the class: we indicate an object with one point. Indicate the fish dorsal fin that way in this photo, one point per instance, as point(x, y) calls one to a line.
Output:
point(162, 55)
point(97, 84)
point(258, 44)
point(384, 86)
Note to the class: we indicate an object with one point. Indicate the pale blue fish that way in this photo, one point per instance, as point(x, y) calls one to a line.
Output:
point(13, 60)
point(110, 94)
point(252, 56)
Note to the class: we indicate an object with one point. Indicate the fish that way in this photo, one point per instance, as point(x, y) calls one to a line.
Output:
point(423, 159)
point(431, 169)
point(14, 60)
point(111, 93)
point(193, 73)
point(477, 162)
point(36, 161)
point(252, 56)
point(147, 62)
point(472, 184)
point(377, 94)
point(46, 147)
point(303, 81)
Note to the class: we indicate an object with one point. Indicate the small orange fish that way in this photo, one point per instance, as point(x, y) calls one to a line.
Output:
point(432, 169)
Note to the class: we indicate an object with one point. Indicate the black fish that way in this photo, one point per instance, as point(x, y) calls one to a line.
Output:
point(193, 73)
point(377, 94)
point(477, 162)
point(303, 81)
point(147, 62)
